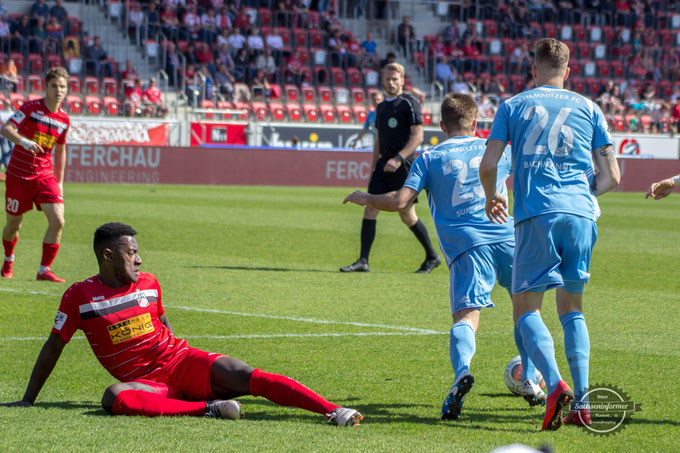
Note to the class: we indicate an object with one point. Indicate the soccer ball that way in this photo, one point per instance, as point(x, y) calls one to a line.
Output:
point(513, 376)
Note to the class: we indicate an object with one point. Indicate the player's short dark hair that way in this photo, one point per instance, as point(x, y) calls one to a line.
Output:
point(458, 111)
point(107, 234)
point(551, 53)
point(55, 73)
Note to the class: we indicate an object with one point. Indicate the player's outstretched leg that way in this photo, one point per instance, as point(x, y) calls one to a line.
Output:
point(540, 348)
point(462, 349)
point(134, 398)
point(577, 350)
point(532, 392)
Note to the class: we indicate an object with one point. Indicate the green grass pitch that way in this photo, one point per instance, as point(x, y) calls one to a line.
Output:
point(252, 272)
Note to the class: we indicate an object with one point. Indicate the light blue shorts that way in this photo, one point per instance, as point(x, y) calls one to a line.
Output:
point(553, 250)
point(474, 274)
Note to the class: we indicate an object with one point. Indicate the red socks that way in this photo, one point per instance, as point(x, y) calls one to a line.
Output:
point(285, 391)
point(9, 246)
point(49, 254)
point(140, 402)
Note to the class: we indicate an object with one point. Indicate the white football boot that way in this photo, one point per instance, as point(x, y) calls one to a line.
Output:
point(532, 393)
point(229, 409)
point(344, 416)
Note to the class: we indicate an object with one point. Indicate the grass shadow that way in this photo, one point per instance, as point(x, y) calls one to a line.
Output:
point(260, 269)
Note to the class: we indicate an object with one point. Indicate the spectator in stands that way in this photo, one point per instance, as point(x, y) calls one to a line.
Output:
point(38, 35)
point(389, 58)
point(520, 61)
point(135, 21)
point(265, 62)
point(59, 12)
point(331, 23)
point(452, 32)
point(4, 30)
point(208, 26)
point(207, 83)
point(153, 100)
point(369, 45)
point(255, 42)
point(191, 24)
point(3, 10)
point(275, 41)
point(6, 147)
point(486, 108)
point(223, 19)
point(223, 56)
point(95, 56)
point(70, 48)
point(170, 23)
point(471, 56)
point(294, 69)
point(129, 72)
point(495, 86)
point(133, 99)
point(460, 85)
point(204, 56)
point(190, 54)
point(236, 39)
point(55, 30)
point(444, 73)
point(21, 33)
point(224, 81)
point(242, 21)
point(338, 50)
point(41, 9)
point(172, 63)
point(241, 65)
point(260, 85)
point(222, 37)
point(675, 117)
point(406, 36)
point(9, 75)
point(439, 48)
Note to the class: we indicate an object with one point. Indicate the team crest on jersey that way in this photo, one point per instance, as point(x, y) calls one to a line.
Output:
point(19, 116)
point(60, 320)
point(142, 300)
point(392, 122)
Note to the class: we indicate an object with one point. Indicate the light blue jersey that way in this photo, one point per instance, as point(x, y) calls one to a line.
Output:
point(369, 123)
point(553, 133)
point(449, 173)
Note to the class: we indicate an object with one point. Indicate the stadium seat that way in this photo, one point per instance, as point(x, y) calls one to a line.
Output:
point(427, 117)
point(34, 97)
point(619, 123)
point(75, 85)
point(308, 94)
point(207, 104)
point(292, 92)
point(19, 61)
point(35, 63)
point(316, 38)
point(294, 111)
point(303, 54)
point(311, 112)
point(508, 45)
point(603, 68)
point(360, 112)
point(245, 106)
point(600, 51)
point(110, 86)
point(260, 110)
point(566, 33)
point(319, 57)
point(36, 83)
point(337, 76)
point(328, 113)
point(300, 36)
point(225, 105)
point(17, 100)
point(593, 85)
point(666, 37)
point(609, 33)
point(371, 77)
point(517, 82)
point(285, 35)
point(111, 106)
point(21, 82)
point(74, 25)
point(265, 17)
point(420, 61)
point(583, 49)
point(589, 68)
point(321, 74)
point(618, 68)
point(341, 95)
point(313, 19)
point(358, 95)
point(579, 32)
point(495, 47)
point(74, 104)
point(497, 63)
point(550, 30)
point(666, 88)
point(646, 120)
point(595, 33)
point(54, 60)
point(93, 105)
point(276, 111)
point(575, 67)
point(490, 28)
point(325, 94)
point(345, 114)
point(354, 77)
point(91, 85)
point(503, 80)
point(578, 84)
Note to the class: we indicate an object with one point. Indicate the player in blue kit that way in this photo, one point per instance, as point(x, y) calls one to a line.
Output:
point(563, 159)
point(477, 251)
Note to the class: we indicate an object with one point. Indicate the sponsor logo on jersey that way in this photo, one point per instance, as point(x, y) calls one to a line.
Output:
point(130, 328)
point(95, 299)
point(60, 320)
point(18, 117)
point(44, 140)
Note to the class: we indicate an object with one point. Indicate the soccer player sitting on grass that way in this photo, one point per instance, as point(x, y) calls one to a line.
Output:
point(556, 137)
point(121, 313)
point(662, 189)
point(477, 251)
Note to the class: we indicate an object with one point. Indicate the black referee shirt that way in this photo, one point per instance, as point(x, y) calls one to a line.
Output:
point(394, 120)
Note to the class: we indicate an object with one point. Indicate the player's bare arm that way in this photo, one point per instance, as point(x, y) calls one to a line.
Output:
point(60, 164)
point(415, 139)
point(609, 174)
point(662, 189)
point(9, 131)
point(496, 204)
point(47, 359)
point(392, 201)
point(166, 322)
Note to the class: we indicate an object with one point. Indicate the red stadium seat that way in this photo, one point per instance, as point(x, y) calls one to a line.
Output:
point(294, 112)
point(260, 110)
point(21, 82)
point(517, 83)
point(36, 83)
point(609, 33)
point(19, 60)
point(110, 86)
point(17, 100)
point(593, 85)
point(427, 117)
point(207, 104)
point(54, 60)
point(303, 54)
point(603, 68)
point(225, 105)
point(35, 62)
point(75, 25)
point(358, 95)
point(316, 38)
point(619, 123)
point(75, 85)
point(503, 80)
point(618, 69)
point(325, 94)
point(311, 112)
point(285, 35)
point(308, 94)
point(578, 84)
point(579, 32)
point(337, 76)
point(583, 49)
point(666, 88)
point(93, 105)
point(265, 17)
point(245, 106)
point(360, 112)
point(91, 85)
point(508, 45)
point(575, 67)
point(313, 19)
point(111, 106)
point(490, 28)
point(550, 30)
point(328, 113)
point(292, 92)
point(276, 111)
point(497, 63)
point(345, 114)
point(34, 97)
point(74, 104)
point(300, 35)
point(354, 76)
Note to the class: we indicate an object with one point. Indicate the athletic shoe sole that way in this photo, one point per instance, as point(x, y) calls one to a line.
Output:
point(553, 416)
point(454, 402)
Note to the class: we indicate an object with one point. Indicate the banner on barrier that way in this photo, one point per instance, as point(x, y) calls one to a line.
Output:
point(650, 146)
point(118, 132)
point(217, 134)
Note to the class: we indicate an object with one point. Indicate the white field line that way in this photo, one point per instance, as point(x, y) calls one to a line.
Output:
point(404, 330)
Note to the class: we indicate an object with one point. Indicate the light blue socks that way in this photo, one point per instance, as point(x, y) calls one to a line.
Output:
point(577, 350)
point(528, 368)
point(462, 346)
point(540, 348)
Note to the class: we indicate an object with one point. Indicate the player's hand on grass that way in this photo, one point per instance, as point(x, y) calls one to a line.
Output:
point(21, 403)
point(661, 189)
point(497, 208)
point(357, 197)
point(392, 165)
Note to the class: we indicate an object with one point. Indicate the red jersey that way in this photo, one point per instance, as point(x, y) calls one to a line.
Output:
point(34, 121)
point(121, 325)
point(153, 95)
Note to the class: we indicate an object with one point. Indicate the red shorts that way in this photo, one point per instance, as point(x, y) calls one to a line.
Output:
point(186, 378)
point(21, 194)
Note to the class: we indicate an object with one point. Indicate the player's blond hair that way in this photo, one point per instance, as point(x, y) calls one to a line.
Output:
point(458, 111)
point(551, 54)
point(56, 73)
point(395, 67)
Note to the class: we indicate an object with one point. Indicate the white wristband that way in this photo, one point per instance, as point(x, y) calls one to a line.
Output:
point(26, 143)
point(676, 180)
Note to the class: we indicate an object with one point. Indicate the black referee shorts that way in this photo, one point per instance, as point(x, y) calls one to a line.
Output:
point(383, 182)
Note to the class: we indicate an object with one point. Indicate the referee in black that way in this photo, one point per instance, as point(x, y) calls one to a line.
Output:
point(399, 121)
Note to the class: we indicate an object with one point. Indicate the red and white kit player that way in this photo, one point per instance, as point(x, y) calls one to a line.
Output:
point(38, 129)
